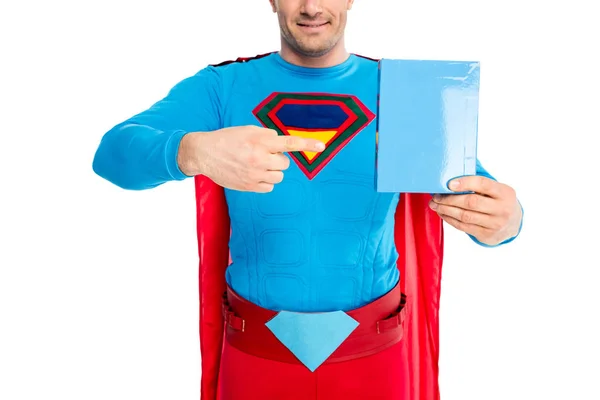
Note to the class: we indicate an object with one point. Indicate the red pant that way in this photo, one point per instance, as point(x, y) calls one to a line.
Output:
point(246, 377)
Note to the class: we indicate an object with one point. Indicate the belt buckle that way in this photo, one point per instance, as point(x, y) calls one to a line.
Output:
point(312, 337)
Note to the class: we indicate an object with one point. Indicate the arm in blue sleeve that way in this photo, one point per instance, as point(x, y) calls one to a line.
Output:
point(141, 152)
point(482, 172)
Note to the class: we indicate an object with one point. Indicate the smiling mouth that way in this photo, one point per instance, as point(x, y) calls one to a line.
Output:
point(312, 24)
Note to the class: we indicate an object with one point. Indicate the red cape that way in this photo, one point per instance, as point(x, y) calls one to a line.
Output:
point(419, 241)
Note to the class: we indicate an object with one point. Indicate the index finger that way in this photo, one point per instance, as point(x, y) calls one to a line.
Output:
point(478, 184)
point(280, 144)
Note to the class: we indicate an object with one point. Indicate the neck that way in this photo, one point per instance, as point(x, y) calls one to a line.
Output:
point(333, 57)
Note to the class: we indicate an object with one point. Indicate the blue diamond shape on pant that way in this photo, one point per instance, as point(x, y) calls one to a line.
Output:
point(312, 337)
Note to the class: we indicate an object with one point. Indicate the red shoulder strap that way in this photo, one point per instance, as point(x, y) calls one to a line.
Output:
point(420, 242)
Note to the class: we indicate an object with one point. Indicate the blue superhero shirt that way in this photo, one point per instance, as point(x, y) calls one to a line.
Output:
point(323, 240)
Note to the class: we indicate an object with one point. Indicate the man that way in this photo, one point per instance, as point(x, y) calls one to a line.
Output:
point(327, 289)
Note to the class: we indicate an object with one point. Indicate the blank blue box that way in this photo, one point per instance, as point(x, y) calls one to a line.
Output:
point(427, 124)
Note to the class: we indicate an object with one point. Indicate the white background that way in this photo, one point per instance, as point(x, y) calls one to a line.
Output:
point(98, 286)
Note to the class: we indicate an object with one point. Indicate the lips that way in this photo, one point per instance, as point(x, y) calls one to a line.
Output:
point(312, 24)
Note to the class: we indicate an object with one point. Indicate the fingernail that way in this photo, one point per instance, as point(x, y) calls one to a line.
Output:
point(433, 205)
point(454, 184)
point(320, 146)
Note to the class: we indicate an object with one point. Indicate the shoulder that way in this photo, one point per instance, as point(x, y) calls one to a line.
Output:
point(228, 71)
point(219, 73)
point(238, 64)
point(367, 60)
point(240, 60)
point(366, 65)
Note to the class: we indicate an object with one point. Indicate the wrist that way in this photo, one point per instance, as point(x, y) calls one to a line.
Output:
point(191, 154)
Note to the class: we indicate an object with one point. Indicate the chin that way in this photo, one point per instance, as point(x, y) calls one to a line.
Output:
point(314, 52)
point(313, 49)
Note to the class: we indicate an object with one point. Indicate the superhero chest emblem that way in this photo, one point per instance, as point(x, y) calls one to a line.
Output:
point(332, 119)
